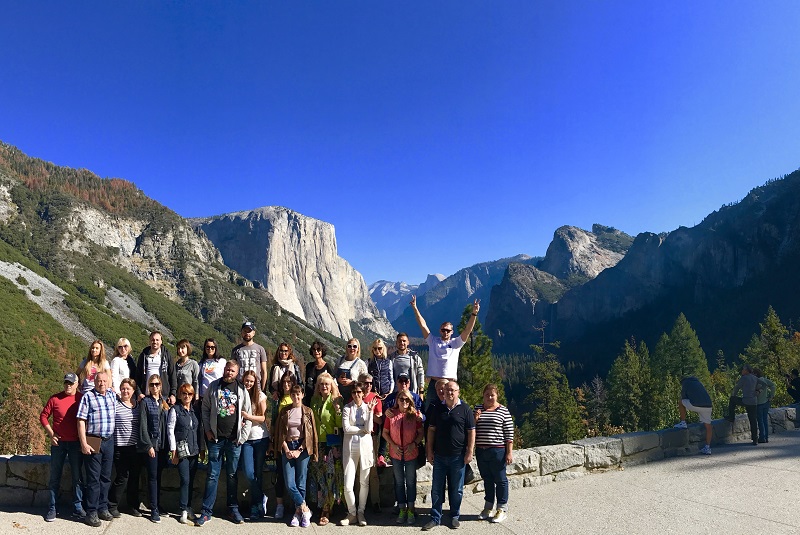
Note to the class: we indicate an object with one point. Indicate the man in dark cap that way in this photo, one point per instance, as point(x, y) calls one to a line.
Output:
point(250, 355)
point(64, 444)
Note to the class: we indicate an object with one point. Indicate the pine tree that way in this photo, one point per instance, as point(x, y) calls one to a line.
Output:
point(599, 420)
point(556, 417)
point(679, 354)
point(774, 351)
point(629, 383)
point(475, 366)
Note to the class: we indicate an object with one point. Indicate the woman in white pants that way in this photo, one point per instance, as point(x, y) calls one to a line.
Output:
point(357, 454)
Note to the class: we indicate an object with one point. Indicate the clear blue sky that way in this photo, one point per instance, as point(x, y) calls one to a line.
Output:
point(433, 135)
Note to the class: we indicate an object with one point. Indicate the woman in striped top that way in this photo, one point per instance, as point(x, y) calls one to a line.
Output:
point(494, 443)
point(126, 459)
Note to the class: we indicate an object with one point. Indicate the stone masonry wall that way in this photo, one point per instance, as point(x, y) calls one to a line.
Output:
point(24, 479)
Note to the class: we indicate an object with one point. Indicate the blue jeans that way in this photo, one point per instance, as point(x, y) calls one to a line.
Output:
point(492, 466)
point(762, 413)
point(254, 452)
point(216, 451)
point(154, 467)
point(98, 477)
point(58, 453)
point(295, 472)
point(187, 468)
point(405, 481)
point(451, 469)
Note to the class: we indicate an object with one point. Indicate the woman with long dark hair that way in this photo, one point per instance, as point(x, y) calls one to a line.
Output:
point(126, 458)
point(254, 450)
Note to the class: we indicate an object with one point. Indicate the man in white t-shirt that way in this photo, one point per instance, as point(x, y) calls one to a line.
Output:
point(443, 350)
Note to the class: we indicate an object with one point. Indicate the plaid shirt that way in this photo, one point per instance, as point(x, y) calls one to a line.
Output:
point(99, 412)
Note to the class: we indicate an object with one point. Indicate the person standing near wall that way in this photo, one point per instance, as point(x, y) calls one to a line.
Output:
point(64, 444)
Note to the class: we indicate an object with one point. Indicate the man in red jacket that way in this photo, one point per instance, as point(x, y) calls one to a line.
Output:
point(63, 407)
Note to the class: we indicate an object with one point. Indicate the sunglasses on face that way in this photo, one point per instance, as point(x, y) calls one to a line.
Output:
point(446, 330)
point(358, 391)
point(404, 401)
point(187, 393)
point(155, 384)
point(211, 347)
point(352, 346)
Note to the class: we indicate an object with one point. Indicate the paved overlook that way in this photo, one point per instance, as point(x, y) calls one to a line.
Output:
point(739, 489)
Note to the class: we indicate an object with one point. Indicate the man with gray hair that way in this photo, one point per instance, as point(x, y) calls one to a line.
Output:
point(747, 384)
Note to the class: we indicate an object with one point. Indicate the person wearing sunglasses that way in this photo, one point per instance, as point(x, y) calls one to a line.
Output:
point(212, 367)
point(403, 433)
point(122, 365)
point(357, 454)
point(153, 440)
point(349, 368)
point(443, 350)
point(182, 427)
point(283, 362)
point(314, 369)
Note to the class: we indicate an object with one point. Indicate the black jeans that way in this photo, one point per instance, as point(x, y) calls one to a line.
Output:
point(751, 415)
point(127, 463)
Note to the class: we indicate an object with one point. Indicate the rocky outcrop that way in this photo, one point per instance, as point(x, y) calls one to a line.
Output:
point(446, 300)
point(296, 259)
point(169, 259)
point(392, 298)
point(577, 254)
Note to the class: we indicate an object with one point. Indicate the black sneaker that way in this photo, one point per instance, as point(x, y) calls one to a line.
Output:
point(51, 515)
point(105, 515)
point(114, 512)
point(455, 524)
point(92, 520)
point(79, 513)
point(135, 512)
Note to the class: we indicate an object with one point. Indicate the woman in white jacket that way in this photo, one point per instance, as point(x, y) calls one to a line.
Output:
point(357, 454)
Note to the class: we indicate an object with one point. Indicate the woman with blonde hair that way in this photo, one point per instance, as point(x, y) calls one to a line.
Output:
point(327, 474)
point(94, 362)
point(349, 368)
point(122, 364)
point(153, 440)
point(403, 433)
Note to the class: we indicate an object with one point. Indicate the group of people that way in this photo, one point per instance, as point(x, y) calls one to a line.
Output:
point(325, 423)
point(753, 391)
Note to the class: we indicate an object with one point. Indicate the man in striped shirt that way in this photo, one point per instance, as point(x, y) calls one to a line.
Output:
point(96, 415)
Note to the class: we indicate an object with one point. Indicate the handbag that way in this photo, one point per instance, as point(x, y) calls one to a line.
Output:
point(183, 449)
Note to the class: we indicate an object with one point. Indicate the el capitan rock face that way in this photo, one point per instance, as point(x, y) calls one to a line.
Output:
point(296, 259)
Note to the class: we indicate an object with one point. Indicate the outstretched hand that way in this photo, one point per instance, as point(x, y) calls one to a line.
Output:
point(476, 306)
point(413, 301)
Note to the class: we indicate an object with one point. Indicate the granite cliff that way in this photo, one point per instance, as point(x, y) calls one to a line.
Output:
point(722, 274)
point(295, 257)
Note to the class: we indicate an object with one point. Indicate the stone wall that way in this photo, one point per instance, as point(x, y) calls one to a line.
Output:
point(23, 479)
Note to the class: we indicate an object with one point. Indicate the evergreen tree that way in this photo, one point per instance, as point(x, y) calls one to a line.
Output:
point(556, 417)
point(774, 351)
point(722, 381)
point(679, 354)
point(630, 388)
point(475, 366)
point(598, 416)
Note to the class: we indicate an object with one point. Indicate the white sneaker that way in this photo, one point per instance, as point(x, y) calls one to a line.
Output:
point(348, 520)
point(295, 520)
point(499, 516)
point(486, 514)
point(681, 425)
point(184, 519)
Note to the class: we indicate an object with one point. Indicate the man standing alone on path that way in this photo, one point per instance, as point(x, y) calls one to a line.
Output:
point(695, 398)
point(747, 385)
point(96, 416)
point(64, 443)
point(251, 356)
point(443, 350)
point(451, 441)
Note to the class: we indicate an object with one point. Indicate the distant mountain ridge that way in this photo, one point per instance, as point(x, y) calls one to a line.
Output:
point(392, 298)
point(722, 274)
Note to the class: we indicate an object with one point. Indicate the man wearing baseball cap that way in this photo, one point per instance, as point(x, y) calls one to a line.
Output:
point(64, 444)
point(250, 355)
